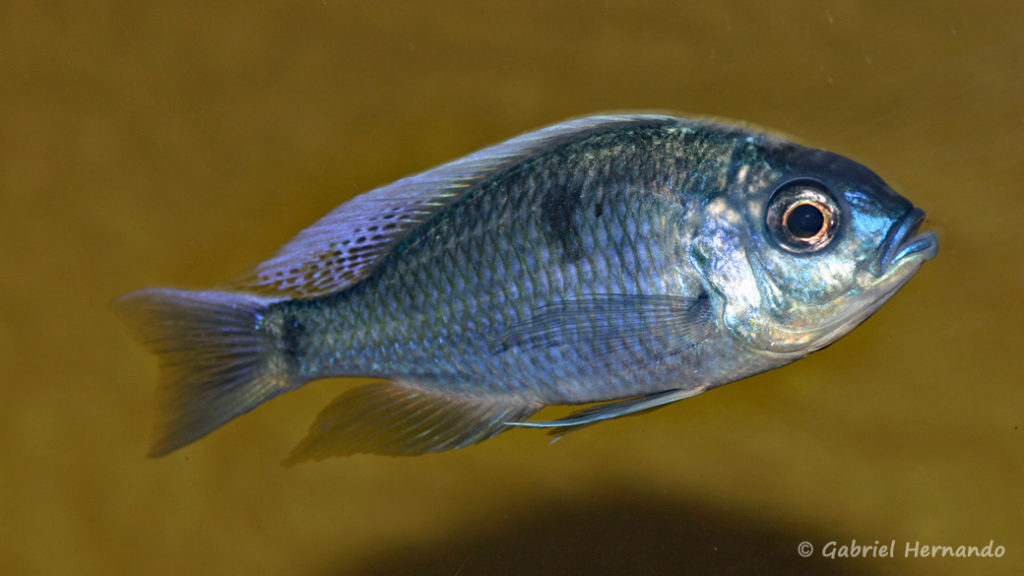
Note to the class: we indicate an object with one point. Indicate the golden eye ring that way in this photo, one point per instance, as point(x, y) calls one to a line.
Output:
point(802, 216)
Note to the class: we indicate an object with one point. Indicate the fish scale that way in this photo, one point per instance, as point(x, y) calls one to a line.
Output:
point(441, 272)
point(639, 259)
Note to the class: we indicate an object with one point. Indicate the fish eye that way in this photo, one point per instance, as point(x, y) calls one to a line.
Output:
point(802, 216)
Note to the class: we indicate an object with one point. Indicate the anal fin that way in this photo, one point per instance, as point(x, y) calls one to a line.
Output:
point(401, 419)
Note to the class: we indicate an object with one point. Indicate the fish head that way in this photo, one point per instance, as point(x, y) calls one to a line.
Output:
point(803, 245)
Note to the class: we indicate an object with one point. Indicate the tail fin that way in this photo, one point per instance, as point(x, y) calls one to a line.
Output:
point(214, 361)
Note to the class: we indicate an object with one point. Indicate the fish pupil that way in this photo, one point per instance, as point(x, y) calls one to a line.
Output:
point(805, 221)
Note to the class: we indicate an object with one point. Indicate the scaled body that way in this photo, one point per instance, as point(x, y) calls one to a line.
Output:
point(645, 258)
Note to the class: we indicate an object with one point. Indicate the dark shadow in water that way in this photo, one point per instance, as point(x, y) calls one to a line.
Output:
point(615, 533)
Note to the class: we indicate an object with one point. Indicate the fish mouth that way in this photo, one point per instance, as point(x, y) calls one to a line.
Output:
point(903, 252)
point(905, 243)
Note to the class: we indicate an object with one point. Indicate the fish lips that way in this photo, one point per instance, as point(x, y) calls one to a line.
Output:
point(903, 243)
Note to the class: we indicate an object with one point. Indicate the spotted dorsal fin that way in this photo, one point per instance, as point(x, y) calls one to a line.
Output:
point(347, 244)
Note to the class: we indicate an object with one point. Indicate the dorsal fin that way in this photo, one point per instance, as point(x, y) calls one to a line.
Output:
point(347, 244)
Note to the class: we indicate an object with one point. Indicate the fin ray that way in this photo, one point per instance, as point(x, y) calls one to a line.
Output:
point(347, 244)
point(400, 419)
point(212, 359)
point(612, 320)
point(608, 411)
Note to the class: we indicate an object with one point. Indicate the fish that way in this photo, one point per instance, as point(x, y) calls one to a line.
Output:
point(618, 262)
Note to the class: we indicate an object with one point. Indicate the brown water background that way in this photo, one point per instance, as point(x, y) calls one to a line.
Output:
point(180, 143)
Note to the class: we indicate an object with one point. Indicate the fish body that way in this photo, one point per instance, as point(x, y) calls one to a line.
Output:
point(635, 258)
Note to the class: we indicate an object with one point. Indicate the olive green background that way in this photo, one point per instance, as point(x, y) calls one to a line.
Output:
point(180, 143)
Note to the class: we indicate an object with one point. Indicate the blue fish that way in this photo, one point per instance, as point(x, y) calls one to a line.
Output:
point(629, 260)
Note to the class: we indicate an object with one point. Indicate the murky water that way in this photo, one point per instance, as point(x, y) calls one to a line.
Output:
point(180, 144)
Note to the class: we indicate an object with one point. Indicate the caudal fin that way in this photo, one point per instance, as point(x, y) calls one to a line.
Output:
point(213, 358)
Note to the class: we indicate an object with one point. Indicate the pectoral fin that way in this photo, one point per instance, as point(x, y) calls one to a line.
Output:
point(400, 419)
point(614, 322)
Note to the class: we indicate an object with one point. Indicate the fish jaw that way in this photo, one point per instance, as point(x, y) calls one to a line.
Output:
point(899, 259)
